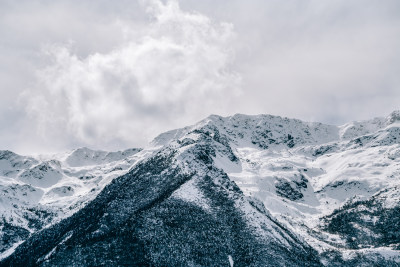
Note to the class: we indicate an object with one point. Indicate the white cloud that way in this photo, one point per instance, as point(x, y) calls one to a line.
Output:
point(328, 61)
point(133, 71)
point(177, 70)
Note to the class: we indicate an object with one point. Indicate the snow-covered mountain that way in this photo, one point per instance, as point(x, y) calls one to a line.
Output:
point(241, 190)
point(38, 191)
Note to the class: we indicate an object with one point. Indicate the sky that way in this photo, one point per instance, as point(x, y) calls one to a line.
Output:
point(114, 74)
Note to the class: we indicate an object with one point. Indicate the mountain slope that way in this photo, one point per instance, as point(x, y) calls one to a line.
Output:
point(243, 190)
point(138, 220)
point(39, 191)
point(322, 182)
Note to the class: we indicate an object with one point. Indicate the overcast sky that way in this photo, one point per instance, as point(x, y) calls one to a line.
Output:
point(113, 74)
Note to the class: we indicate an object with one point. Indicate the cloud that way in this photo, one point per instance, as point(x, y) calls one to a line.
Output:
point(329, 61)
point(137, 68)
point(177, 69)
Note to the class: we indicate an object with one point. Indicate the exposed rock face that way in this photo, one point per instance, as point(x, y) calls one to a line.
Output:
point(137, 220)
point(243, 190)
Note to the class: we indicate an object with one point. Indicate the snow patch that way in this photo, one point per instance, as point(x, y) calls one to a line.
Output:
point(190, 192)
point(230, 259)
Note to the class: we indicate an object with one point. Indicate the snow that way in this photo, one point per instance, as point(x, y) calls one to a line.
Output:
point(240, 130)
point(387, 253)
point(87, 157)
point(333, 179)
point(230, 260)
point(43, 175)
point(345, 173)
point(48, 255)
point(58, 184)
point(355, 161)
point(190, 192)
point(10, 251)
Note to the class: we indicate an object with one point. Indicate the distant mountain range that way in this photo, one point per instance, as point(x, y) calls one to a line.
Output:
point(228, 191)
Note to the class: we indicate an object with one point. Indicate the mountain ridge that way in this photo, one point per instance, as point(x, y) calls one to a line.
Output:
point(308, 179)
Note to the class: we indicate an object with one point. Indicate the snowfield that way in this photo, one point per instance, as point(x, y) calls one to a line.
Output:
point(335, 188)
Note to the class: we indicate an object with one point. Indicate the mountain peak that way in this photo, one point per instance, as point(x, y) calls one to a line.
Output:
point(257, 130)
point(254, 189)
point(393, 117)
point(85, 156)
